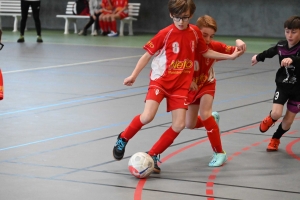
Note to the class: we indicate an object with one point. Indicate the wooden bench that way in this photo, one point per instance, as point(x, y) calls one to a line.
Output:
point(12, 8)
point(71, 18)
point(133, 12)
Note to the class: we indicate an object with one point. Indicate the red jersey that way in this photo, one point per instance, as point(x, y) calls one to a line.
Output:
point(105, 4)
point(204, 71)
point(173, 65)
point(119, 3)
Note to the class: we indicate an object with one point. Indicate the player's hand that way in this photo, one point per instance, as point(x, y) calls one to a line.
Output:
point(286, 62)
point(129, 81)
point(193, 86)
point(253, 60)
point(236, 53)
point(241, 45)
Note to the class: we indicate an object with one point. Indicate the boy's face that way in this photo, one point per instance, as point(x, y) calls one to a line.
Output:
point(292, 36)
point(208, 34)
point(182, 21)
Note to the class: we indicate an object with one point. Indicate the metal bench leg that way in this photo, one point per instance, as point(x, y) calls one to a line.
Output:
point(15, 24)
point(121, 28)
point(130, 28)
point(93, 27)
point(66, 26)
point(75, 26)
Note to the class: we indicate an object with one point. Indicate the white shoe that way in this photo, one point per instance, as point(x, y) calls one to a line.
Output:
point(113, 34)
point(94, 33)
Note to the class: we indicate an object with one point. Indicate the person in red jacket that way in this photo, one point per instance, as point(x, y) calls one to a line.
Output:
point(203, 87)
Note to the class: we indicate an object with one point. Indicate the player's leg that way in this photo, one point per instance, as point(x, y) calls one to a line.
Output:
point(213, 131)
point(278, 101)
point(24, 12)
point(113, 25)
point(151, 106)
point(168, 137)
point(293, 107)
point(35, 5)
point(192, 119)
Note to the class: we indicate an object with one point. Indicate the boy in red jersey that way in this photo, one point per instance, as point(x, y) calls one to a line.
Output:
point(104, 18)
point(172, 71)
point(120, 12)
point(202, 91)
point(287, 81)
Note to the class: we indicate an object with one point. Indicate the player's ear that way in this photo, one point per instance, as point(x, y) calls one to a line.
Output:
point(171, 15)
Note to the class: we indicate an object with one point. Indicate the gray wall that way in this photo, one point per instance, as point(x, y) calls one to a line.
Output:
point(234, 17)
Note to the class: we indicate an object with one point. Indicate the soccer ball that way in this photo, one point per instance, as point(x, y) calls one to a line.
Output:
point(141, 165)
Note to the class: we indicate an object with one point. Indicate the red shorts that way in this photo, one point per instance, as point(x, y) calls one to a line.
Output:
point(123, 15)
point(195, 96)
point(173, 102)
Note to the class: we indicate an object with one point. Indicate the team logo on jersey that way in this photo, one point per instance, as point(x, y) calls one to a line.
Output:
point(196, 66)
point(175, 47)
point(227, 49)
point(276, 95)
point(181, 65)
point(150, 44)
point(156, 92)
point(193, 45)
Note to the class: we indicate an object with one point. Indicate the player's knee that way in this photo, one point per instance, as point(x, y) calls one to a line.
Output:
point(178, 127)
point(275, 114)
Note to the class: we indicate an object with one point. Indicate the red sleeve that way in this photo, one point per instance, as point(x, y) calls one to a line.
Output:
point(156, 43)
point(202, 47)
point(221, 47)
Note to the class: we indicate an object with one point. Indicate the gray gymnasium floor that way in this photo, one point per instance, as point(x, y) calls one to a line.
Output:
point(65, 105)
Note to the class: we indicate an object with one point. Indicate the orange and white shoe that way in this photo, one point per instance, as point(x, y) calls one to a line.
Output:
point(273, 145)
point(266, 124)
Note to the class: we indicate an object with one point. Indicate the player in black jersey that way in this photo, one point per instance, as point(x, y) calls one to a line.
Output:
point(287, 81)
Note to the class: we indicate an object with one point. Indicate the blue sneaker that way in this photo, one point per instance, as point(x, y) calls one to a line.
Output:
point(218, 159)
point(156, 169)
point(119, 148)
point(216, 116)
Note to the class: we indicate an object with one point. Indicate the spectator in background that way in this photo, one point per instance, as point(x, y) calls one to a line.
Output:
point(95, 11)
point(35, 6)
point(120, 12)
point(104, 18)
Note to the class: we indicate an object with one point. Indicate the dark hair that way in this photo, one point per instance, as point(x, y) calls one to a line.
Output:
point(177, 7)
point(292, 23)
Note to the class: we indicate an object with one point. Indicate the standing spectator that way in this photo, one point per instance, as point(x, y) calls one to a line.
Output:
point(95, 12)
point(35, 6)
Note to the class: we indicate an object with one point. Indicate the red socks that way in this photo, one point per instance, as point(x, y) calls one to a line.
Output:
point(213, 133)
point(1, 86)
point(164, 142)
point(113, 26)
point(133, 128)
point(199, 123)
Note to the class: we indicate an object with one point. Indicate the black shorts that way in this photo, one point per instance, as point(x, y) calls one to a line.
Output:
point(282, 95)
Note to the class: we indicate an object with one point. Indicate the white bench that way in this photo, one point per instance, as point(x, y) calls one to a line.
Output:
point(71, 18)
point(12, 8)
point(133, 12)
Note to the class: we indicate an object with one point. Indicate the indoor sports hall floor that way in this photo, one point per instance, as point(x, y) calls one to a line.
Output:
point(65, 104)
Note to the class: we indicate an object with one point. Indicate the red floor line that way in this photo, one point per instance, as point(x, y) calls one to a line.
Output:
point(289, 149)
point(141, 183)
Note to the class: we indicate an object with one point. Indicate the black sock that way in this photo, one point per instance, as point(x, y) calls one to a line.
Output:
point(279, 132)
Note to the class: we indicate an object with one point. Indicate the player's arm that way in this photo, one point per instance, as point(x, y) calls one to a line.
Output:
point(141, 64)
point(221, 56)
point(270, 53)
